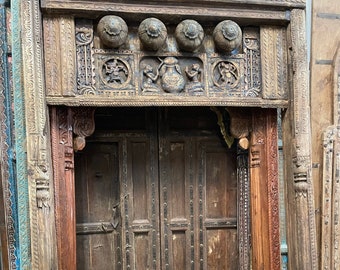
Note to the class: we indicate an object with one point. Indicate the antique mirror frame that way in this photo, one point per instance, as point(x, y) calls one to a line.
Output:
point(36, 176)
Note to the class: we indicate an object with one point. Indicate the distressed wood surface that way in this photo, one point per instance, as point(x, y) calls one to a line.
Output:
point(264, 191)
point(63, 171)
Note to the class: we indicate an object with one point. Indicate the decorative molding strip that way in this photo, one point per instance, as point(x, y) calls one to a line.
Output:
point(36, 217)
point(9, 241)
point(105, 6)
point(244, 209)
point(303, 222)
point(24, 231)
point(330, 226)
point(59, 46)
point(274, 62)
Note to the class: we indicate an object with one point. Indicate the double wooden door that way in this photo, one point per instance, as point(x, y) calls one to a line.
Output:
point(157, 189)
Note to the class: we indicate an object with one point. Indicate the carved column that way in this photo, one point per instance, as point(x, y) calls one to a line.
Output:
point(66, 121)
point(264, 194)
point(35, 203)
point(297, 151)
point(330, 224)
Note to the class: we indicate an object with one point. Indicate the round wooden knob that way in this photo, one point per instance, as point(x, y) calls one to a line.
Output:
point(112, 31)
point(189, 35)
point(152, 33)
point(228, 36)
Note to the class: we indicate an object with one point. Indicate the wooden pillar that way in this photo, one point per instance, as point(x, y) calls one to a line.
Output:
point(63, 170)
point(264, 194)
point(301, 235)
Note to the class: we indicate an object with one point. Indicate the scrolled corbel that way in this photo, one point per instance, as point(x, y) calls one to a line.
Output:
point(112, 31)
point(228, 37)
point(83, 126)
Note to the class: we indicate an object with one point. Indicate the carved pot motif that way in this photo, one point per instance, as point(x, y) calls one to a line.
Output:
point(172, 80)
point(228, 36)
point(152, 33)
point(112, 31)
point(189, 35)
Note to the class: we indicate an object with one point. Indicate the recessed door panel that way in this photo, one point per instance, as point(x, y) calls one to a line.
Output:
point(165, 195)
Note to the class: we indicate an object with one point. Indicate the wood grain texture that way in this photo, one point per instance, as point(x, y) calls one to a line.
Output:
point(63, 171)
point(264, 191)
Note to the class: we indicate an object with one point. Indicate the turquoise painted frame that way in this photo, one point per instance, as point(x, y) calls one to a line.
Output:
point(24, 242)
point(7, 162)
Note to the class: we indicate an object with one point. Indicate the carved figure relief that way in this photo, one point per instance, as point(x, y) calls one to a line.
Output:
point(113, 31)
point(149, 79)
point(226, 75)
point(152, 33)
point(189, 35)
point(194, 85)
point(115, 72)
point(177, 62)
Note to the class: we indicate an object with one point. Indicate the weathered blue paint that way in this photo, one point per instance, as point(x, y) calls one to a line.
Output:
point(24, 251)
point(10, 197)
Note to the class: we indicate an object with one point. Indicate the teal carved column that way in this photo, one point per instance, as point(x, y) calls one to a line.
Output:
point(8, 183)
point(24, 232)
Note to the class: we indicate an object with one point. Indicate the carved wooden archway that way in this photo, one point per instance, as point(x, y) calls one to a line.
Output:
point(35, 177)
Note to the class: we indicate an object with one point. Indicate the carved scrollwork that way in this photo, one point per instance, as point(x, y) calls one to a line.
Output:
point(84, 47)
point(251, 42)
point(83, 126)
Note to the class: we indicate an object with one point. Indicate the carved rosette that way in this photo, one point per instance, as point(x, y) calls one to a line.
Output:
point(189, 35)
point(228, 37)
point(114, 73)
point(112, 31)
point(152, 33)
point(226, 76)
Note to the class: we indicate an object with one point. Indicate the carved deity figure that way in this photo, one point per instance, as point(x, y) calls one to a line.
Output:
point(115, 72)
point(149, 80)
point(194, 86)
point(228, 74)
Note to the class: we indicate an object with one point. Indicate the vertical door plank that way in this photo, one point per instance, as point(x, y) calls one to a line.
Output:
point(63, 170)
point(264, 191)
point(97, 203)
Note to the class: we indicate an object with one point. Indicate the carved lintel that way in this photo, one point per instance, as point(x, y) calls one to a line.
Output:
point(83, 126)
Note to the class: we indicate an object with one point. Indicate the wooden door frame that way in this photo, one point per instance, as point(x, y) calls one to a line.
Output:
point(258, 174)
point(35, 179)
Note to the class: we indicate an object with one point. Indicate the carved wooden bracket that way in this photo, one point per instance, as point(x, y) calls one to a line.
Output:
point(83, 126)
point(240, 125)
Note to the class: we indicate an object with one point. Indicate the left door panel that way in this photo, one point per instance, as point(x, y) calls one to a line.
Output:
point(97, 204)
